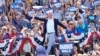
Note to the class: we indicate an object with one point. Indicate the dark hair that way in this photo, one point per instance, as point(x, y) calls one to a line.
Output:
point(77, 17)
point(27, 54)
point(80, 11)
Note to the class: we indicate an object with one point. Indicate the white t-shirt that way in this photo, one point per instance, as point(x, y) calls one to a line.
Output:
point(50, 26)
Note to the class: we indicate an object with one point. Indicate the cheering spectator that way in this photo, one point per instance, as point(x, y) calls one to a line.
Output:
point(3, 19)
point(14, 20)
point(51, 33)
point(58, 14)
point(88, 3)
point(5, 33)
point(24, 22)
point(81, 28)
point(70, 28)
point(85, 16)
point(13, 33)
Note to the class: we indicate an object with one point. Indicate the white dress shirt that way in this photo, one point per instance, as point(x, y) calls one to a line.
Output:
point(50, 26)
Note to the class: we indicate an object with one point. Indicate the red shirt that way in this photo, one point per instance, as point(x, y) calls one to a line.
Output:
point(12, 35)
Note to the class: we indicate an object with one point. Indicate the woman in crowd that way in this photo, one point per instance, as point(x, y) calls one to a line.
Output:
point(13, 33)
point(3, 19)
point(24, 22)
point(70, 29)
point(14, 20)
point(81, 28)
point(5, 33)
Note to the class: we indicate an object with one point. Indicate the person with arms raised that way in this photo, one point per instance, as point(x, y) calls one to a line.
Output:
point(50, 28)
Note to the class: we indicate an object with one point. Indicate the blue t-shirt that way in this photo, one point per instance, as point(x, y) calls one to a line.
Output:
point(15, 23)
point(71, 31)
point(81, 29)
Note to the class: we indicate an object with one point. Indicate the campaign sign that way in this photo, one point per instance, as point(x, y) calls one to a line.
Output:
point(14, 6)
point(66, 48)
point(18, 1)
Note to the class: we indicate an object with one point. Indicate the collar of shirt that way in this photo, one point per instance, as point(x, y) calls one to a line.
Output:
point(51, 18)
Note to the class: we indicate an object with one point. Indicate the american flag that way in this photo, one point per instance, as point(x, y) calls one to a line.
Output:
point(12, 46)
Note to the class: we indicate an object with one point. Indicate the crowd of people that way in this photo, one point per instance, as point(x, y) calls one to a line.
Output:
point(50, 22)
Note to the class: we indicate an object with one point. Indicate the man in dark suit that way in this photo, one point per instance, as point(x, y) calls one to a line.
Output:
point(50, 28)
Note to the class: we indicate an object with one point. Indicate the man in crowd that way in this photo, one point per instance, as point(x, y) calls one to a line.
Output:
point(50, 28)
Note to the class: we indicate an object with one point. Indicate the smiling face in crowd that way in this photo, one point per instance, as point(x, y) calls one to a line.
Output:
point(14, 31)
point(71, 25)
point(50, 15)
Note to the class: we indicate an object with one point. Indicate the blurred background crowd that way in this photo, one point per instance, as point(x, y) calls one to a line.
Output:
point(79, 16)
